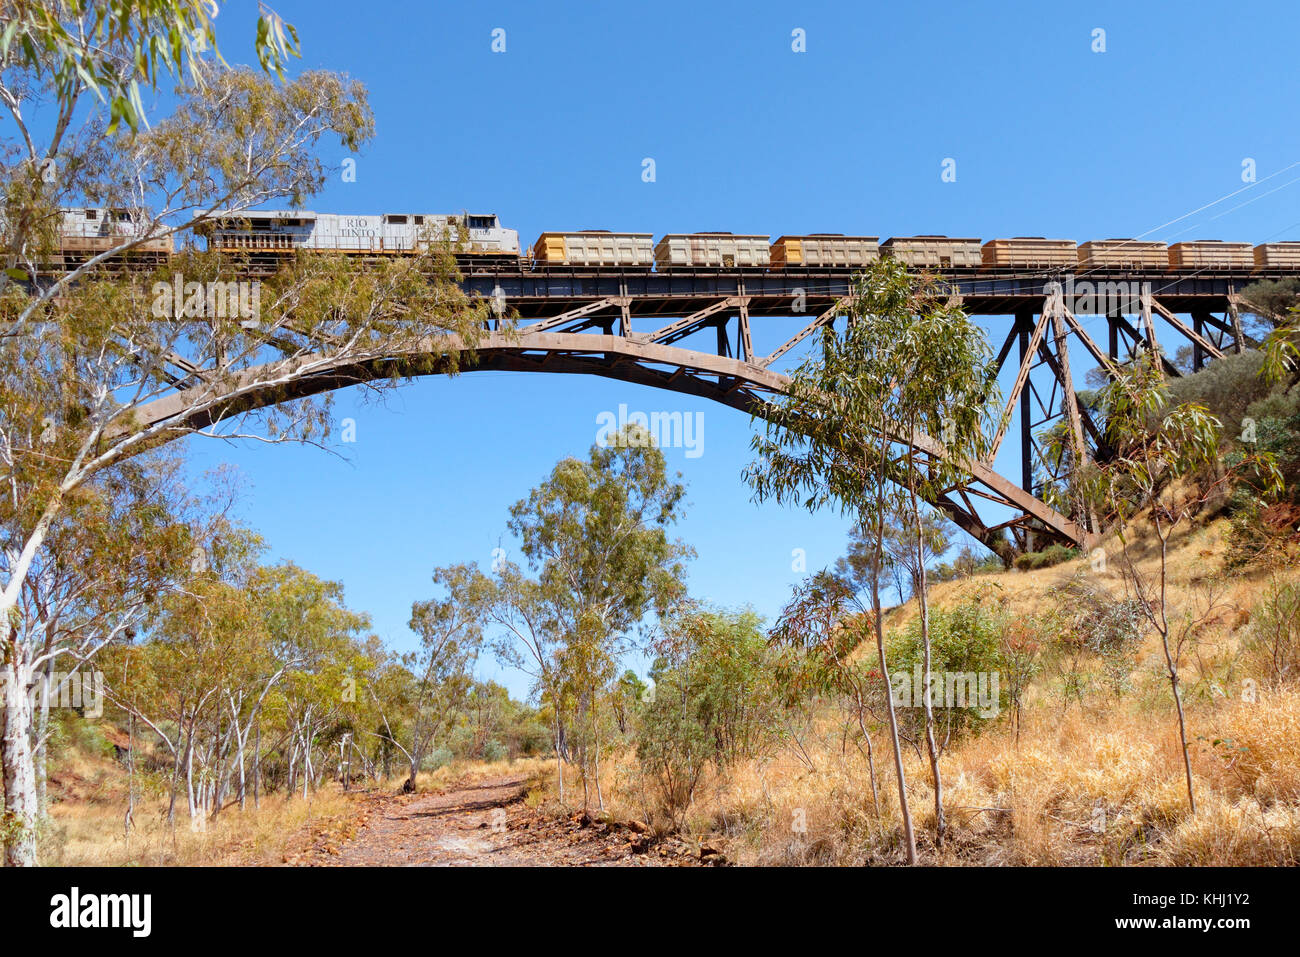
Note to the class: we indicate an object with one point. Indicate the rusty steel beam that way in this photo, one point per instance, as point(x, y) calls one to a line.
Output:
point(1199, 340)
point(746, 342)
point(734, 382)
point(745, 381)
point(1169, 368)
point(1090, 344)
point(1027, 362)
point(681, 326)
point(827, 316)
point(578, 313)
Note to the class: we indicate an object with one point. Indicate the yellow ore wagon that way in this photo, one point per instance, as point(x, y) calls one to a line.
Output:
point(940, 252)
point(1277, 256)
point(1124, 253)
point(677, 251)
point(595, 247)
point(1032, 251)
point(1211, 254)
point(824, 251)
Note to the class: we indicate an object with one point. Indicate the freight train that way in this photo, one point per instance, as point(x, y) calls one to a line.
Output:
point(480, 239)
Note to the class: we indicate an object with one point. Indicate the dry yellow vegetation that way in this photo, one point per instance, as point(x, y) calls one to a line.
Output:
point(1092, 782)
point(85, 826)
point(1096, 781)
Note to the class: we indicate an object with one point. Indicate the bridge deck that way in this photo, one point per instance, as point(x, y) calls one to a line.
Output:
point(537, 293)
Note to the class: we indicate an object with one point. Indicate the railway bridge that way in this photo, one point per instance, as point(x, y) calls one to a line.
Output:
point(725, 336)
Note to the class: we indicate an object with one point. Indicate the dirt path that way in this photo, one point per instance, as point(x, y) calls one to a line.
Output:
point(485, 823)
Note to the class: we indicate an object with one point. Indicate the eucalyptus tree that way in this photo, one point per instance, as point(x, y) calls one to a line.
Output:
point(242, 649)
point(936, 534)
point(211, 646)
point(198, 642)
point(1281, 350)
point(78, 369)
point(316, 652)
point(108, 50)
point(1165, 461)
point(946, 386)
point(451, 634)
point(383, 690)
point(529, 639)
point(596, 534)
point(850, 432)
point(122, 543)
point(816, 623)
point(84, 351)
point(71, 73)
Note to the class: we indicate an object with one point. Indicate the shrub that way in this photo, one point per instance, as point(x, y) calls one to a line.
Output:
point(529, 736)
point(1020, 646)
point(1096, 623)
point(674, 745)
point(1274, 644)
point(965, 654)
point(1280, 404)
point(437, 758)
point(715, 700)
point(1226, 386)
point(1049, 556)
point(68, 729)
point(1268, 300)
point(1260, 534)
point(1277, 431)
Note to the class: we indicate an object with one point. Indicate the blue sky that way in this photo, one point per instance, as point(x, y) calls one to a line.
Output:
point(1049, 138)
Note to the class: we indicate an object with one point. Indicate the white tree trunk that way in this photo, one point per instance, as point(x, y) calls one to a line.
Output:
point(42, 720)
point(19, 769)
point(306, 766)
point(559, 760)
point(257, 766)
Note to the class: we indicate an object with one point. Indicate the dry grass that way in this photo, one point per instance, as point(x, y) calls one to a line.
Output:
point(1093, 783)
point(462, 773)
point(1097, 783)
point(91, 832)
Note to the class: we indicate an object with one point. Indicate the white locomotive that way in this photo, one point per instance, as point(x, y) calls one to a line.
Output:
point(87, 231)
point(472, 234)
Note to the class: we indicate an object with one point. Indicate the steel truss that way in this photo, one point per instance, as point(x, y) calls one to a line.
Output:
point(631, 326)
